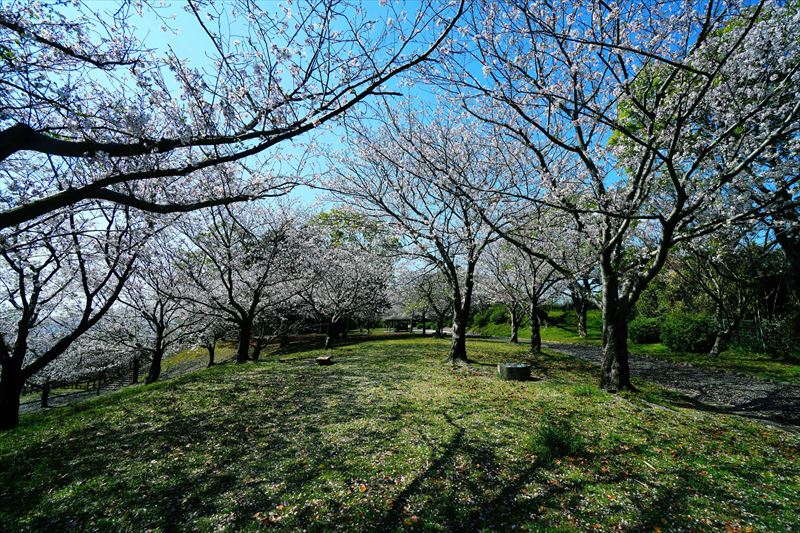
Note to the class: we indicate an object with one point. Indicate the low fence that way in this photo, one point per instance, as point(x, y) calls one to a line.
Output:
point(110, 379)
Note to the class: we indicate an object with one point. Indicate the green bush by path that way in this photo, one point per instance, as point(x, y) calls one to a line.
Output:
point(645, 330)
point(688, 332)
point(392, 438)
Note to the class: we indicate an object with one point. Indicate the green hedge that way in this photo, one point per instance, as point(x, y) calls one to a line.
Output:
point(688, 332)
point(645, 330)
point(496, 314)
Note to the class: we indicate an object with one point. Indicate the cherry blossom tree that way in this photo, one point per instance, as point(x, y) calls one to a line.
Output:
point(346, 270)
point(410, 173)
point(643, 121)
point(96, 113)
point(241, 263)
point(526, 281)
point(89, 358)
point(59, 278)
point(503, 284)
point(162, 323)
point(211, 330)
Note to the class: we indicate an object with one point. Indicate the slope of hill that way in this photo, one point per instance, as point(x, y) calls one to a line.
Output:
point(391, 437)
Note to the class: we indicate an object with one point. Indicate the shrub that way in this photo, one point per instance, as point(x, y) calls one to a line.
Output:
point(687, 332)
point(780, 339)
point(645, 330)
point(555, 440)
point(498, 314)
point(480, 320)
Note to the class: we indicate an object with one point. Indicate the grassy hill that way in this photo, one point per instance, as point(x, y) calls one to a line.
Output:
point(564, 328)
point(392, 438)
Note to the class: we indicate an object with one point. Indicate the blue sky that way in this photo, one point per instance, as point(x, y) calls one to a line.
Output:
point(170, 26)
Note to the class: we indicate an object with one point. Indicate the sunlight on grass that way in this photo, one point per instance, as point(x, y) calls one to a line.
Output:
point(391, 437)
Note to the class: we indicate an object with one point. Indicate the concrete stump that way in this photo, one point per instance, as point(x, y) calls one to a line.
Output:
point(514, 371)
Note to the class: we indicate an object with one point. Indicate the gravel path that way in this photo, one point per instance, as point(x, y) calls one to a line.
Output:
point(708, 388)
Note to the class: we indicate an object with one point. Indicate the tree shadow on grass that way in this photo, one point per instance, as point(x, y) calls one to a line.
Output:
point(162, 482)
point(778, 407)
point(236, 441)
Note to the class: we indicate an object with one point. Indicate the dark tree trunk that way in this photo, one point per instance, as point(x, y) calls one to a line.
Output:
point(155, 366)
point(245, 334)
point(260, 344)
point(346, 326)
point(458, 348)
point(9, 405)
point(439, 327)
point(424, 325)
point(616, 375)
point(330, 334)
point(212, 348)
point(461, 310)
point(535, 324)
point(11, 382)
point(135, 378)
point(514, 324)
point(45, 394)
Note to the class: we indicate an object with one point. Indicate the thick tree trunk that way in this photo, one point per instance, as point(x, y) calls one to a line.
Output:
point(581, 312)
point(45, 395)
point(155, 367)
point(458, 348)
point(212, 348)
point(10, 390)
point(461, 310)
point(284, 333)
point(514, 324)
point(245, 334)
point(11, 383)
point(330, 334)
point(439, 327)
point(616, 375)
point(424, 325)
point(536, 335)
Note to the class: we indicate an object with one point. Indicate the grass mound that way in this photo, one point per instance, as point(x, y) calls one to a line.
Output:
point(392, 438)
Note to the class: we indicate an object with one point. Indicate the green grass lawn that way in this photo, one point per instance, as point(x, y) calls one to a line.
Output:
point(392, 438)
point(736, 360)
point(197, 357)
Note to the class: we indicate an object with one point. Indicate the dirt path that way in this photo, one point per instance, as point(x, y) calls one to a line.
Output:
point(708, 388)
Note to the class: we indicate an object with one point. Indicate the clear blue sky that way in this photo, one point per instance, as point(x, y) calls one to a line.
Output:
point(170, 26)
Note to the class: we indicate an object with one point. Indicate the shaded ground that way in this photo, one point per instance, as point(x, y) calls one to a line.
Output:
point(708, 388)
point(391, 438)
